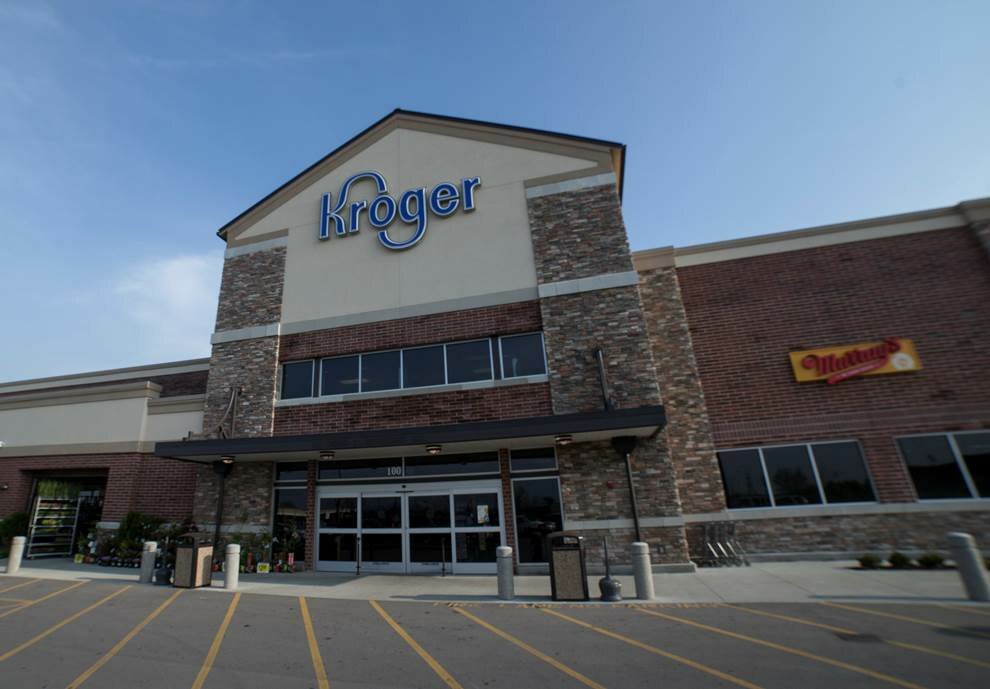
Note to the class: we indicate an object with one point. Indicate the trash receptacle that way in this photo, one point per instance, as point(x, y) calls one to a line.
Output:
point(568, 576)
point(193, 561)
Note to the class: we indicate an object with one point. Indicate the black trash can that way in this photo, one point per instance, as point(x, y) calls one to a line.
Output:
point(568, 575)
point(193, 561)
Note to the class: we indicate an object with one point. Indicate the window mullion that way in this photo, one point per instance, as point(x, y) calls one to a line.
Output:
point(360, 374)
point(446, 380)
point(814, 468)
point(970, 484)
point(766, 478)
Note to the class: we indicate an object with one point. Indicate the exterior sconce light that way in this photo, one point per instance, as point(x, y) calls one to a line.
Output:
point(326, 455)
point(564, 439)
point(434, 449)
point(4, 486)
point(227, 459)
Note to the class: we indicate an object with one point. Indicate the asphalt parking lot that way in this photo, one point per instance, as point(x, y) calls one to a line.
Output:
point(57, 634)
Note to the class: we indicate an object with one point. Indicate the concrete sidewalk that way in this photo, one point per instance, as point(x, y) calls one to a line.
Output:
point(765, 582)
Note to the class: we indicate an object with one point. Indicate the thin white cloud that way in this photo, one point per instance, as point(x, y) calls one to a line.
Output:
point(34, 15)
point(171, 303)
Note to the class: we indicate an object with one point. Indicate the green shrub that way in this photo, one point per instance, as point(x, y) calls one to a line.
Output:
point(899, 560)
point(869, 561)
point(931, 560)
point(137, 527)
point(15, 524)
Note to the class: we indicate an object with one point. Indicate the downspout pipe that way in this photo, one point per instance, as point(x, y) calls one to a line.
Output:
point(222, 470)
point(624, 445)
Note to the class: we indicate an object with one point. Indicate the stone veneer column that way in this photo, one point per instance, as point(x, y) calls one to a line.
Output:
point(579, 234)
point(250, 298)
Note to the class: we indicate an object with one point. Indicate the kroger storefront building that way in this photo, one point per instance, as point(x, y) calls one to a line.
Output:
point(436, 340)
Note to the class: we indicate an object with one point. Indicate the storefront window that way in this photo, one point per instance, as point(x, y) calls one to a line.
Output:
point(476, 509)
point(540, 459)
point(289, 529)
point(475, 463)
point(339, 376)
point(290, 471)
point(793, 475)
point(422, 367)
point(934, 468)
point(469, 361)
point(522, 355)
point(380, 371)
point(975, 450)
point(343, 469)
point(843, 472)
point(297, 380)
point(538, 513)
point(742, 475)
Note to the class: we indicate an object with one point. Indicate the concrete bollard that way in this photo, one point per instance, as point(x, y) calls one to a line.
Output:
point(148, 554)
point(506, 582)
point(969, 563)
point(16, 553)
point(232, 566)
point(642, 570)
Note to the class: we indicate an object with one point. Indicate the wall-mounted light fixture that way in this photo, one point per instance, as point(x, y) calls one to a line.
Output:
point(227, 459)
point(327, 455)
point(564, 439)
point(434, 449)
point(4, 486)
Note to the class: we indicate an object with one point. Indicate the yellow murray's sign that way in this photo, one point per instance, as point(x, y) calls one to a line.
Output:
point(836, 364)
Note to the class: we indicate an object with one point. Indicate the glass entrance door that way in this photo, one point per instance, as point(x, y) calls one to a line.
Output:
point(415, 529)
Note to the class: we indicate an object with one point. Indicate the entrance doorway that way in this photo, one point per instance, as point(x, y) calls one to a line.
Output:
point(420, 528)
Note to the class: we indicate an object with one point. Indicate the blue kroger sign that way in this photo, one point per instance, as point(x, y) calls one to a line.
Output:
point(412, 208)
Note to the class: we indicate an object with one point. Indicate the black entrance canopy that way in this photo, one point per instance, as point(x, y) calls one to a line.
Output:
point(464, 437)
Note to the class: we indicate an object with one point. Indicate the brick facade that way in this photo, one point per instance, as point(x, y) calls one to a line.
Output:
point(746, 315)
point(688, 430)
point(465, 324)
point(431, 409)
point(135, 482)
point(580, 234)
point(250, 296)
point(247, 499)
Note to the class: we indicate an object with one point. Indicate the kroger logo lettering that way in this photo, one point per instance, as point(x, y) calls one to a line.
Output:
point(411, 208)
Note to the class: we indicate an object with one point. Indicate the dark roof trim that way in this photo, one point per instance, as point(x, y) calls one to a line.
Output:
point(617, 420)
point(445, 118)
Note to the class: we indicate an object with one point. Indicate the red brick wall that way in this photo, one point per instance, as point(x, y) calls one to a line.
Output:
point(451, 326)
point(144, 483)
point(745, 316)
point(433, 409)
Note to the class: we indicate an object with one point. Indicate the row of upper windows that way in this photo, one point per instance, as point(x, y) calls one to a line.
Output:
point(509, 356)
point(941, 466)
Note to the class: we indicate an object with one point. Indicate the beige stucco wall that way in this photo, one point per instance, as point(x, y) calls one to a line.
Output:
point(173, 426)
point(104, 421)
point(464, 255)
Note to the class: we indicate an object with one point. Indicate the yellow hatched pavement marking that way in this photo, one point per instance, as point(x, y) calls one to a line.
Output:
point(903, 618)
point(78, 681)
point(653, 649)
point(532, 651)
point(964, 608)
point(787, 649)
point(840, 630)
point(211, 655)
point(434, 665)
point(17, 586)
point(55, 627)
point(27, 605)
point(314, 649)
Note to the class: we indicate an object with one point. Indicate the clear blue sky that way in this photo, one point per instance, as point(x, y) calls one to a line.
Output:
point(130, 131)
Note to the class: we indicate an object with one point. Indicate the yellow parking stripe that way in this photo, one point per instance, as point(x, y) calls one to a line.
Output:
point(27, 605)
point(211, 655)
point(964, 608)
point(659, 651)
point(314, 650)
point(840, 630)
point(787, 649)
point(78, 681)
point(55, 627)
point(427, 658)
point(902, 618)
point(17, 586)
point(532, 651)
